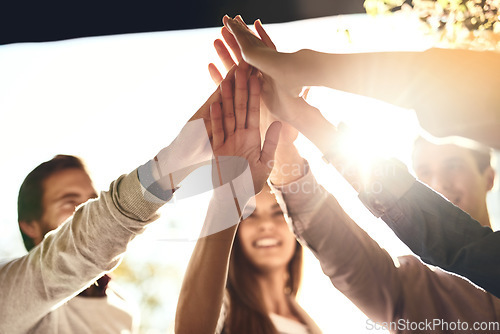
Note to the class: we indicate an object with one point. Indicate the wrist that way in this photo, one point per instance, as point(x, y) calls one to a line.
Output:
point(317, 129)
point(286, 151)
point(306, 67)
point(223, 211)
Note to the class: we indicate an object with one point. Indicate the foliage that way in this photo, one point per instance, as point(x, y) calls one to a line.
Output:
point(152, 286)
point(456, 23)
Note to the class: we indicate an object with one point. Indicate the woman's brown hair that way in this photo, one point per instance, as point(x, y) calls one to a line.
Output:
point(247, 312)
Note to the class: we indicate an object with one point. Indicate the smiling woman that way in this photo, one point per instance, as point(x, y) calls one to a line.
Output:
point(265, 271)
point(264, 238)
point(263, 278)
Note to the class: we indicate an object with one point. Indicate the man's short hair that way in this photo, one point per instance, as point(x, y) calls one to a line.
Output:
point(481, 154)
point(29, 201)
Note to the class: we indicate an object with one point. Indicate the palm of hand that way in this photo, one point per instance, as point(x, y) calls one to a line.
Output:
point(245, 143)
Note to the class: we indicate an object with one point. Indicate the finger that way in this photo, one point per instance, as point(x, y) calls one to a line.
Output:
point(239, 29)
point(227, 106)
point(263, 34)
point(305, 93)
point(230, 75)
point(239, 18)
point(224, 54)
point(254, 50)
point(204, 111)
point(231, 42)
point(217, 126)
point(243, 24)
point(240, 98)
point(270, 144)
point(253, 114)
point(230, 39)
point(225, 19)
point(215, 74)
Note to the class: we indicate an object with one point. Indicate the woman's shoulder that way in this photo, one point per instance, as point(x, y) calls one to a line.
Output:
point(223, 313)
point(311, 326)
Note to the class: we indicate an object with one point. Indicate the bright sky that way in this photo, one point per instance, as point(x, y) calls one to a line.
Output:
point(116, 101)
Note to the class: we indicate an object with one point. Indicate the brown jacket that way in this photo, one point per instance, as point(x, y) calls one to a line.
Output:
point(406, 297)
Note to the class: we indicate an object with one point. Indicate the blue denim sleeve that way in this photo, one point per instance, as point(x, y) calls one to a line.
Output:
point(443, 235)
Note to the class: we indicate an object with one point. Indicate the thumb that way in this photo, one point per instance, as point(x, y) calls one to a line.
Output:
point(270, 144)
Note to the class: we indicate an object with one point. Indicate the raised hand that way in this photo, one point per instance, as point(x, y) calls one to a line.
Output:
point(235, 127)
point(225, 55)
point(284, 103)
point(261, 53)
point(288, 133)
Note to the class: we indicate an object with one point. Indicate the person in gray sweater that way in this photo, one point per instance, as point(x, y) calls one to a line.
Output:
point(71, 249)
point(48, 196)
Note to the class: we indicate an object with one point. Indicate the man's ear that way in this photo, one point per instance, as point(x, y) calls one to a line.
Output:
point(489, 175)
point(32, 229)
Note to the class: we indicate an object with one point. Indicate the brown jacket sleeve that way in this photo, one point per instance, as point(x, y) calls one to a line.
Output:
point(356, 265)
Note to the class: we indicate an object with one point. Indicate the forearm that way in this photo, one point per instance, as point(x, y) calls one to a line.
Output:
point(71, 257)
point(461, 85)
point(202, 291)
point(429, 81)
point(312, 124)
point(289, 166)
point(356, 265)
point(203, 286)
point(381, 75)
point(353, 261)
point(445, 236)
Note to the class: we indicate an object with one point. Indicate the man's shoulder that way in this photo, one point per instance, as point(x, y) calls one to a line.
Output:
point(112, 309)
point(419, 277)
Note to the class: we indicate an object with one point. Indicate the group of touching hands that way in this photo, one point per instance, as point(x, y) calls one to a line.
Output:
point(248, 104)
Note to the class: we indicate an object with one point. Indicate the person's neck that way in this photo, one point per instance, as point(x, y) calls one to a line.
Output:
point(272, 285)
point(97, 289)
point(483, 217)
point(480, 213)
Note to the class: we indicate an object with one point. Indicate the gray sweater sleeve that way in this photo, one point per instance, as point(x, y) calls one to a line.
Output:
point(71, 257)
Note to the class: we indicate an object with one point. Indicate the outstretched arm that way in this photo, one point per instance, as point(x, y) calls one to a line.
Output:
point(236, 133)
point(445, 236)
point(452, 91)
point(439, 232)
point(93, 240)
point(71, 258)
point(353, 261)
